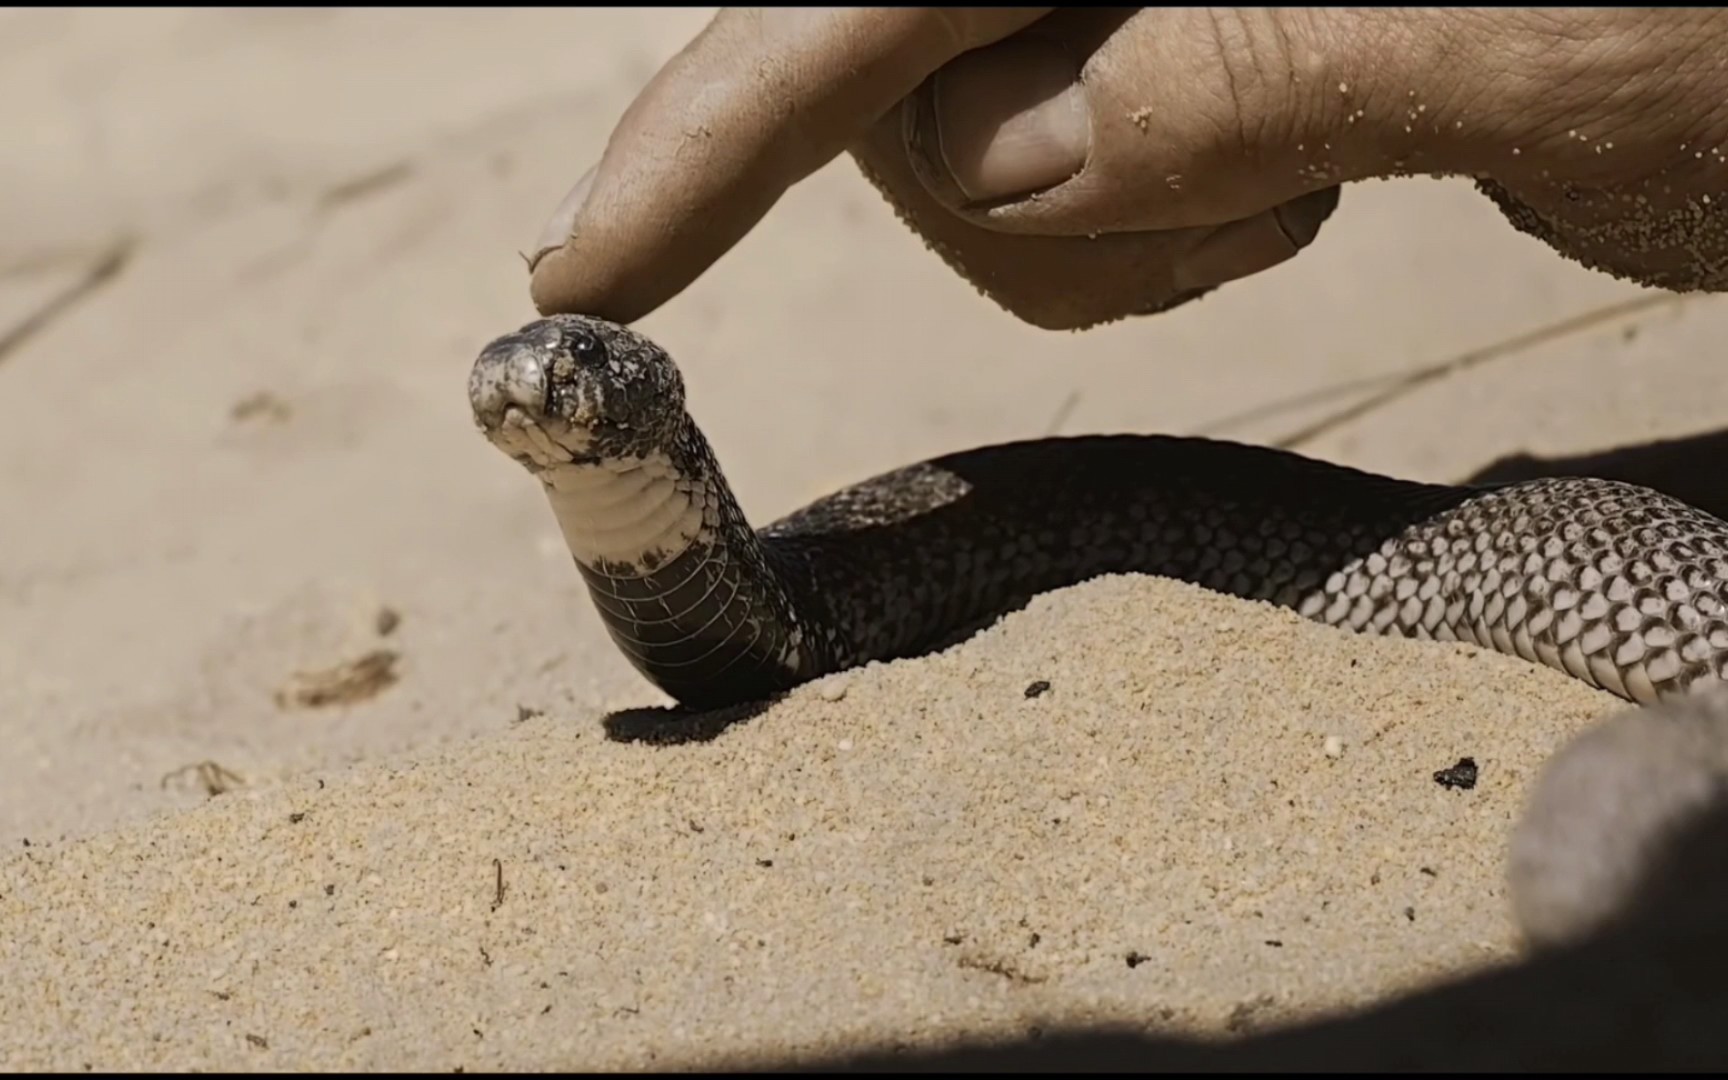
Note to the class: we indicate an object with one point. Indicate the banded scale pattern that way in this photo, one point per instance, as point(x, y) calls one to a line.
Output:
point(1616, 585)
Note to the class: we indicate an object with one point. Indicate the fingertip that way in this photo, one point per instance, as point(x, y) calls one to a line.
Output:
point(761, 99)
point(561, 226)
point(548, 283)
point(563, 284)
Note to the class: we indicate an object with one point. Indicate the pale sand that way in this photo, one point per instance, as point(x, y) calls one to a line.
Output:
point(220, 462)
point(1160, 838)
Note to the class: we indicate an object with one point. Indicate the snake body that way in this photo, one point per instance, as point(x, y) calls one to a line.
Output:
point(1614, 584)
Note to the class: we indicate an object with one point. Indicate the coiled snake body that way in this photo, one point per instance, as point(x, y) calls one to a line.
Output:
point(1619, 586)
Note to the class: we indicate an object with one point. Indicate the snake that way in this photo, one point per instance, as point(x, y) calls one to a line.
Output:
point(1617, 585)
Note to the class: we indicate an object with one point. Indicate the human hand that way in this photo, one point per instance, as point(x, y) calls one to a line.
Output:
point(1086, 164)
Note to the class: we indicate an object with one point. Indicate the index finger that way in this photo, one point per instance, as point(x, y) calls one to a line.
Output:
point(758, 101)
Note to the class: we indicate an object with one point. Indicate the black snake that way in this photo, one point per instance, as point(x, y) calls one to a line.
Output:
point(1617, 585)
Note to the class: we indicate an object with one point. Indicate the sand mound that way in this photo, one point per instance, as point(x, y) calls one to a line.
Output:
point(1215, 818)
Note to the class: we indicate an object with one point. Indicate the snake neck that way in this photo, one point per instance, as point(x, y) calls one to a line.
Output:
point(682, 584)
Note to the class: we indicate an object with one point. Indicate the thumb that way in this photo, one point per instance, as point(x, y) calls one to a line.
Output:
point(1109, 121)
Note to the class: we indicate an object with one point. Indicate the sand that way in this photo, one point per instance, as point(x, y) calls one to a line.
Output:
point(294, 671)
point(931, 855)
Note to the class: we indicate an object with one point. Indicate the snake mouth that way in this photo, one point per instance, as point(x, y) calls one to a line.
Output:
point(537, 444)
point(511, 393)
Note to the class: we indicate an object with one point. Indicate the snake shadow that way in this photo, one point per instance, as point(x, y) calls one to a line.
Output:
point(678, 725)
point(1689, 468)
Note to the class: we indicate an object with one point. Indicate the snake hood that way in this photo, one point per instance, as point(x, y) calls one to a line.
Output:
point(570, 388)
point(684, 587)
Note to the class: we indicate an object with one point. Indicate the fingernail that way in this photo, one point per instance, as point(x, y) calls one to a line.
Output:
point(1010, 120)
point(556, 232)
point(1235, 251)
point(1300, 219)
point(1258, 243)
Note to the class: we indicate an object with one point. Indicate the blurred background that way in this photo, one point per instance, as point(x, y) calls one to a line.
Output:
point(247, 256)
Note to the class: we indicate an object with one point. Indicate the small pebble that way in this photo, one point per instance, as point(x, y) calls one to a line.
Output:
point(833, 689)
point(1461, 776)
point(1334, 747)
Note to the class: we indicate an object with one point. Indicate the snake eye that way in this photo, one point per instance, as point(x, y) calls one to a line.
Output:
point(585, 347)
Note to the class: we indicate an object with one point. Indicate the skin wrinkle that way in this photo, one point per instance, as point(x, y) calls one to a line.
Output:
point(1584, 79)
point(1309, 67)
point(1579, 89)
point(1388, 58)
point(1674, 241)
point(1235, 104)
point(1280, 127)
point(1264, 130)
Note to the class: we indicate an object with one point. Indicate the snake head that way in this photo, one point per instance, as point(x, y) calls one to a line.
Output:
point(575, 389)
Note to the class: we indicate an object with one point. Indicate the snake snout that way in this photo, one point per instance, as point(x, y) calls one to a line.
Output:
point(510, 372)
